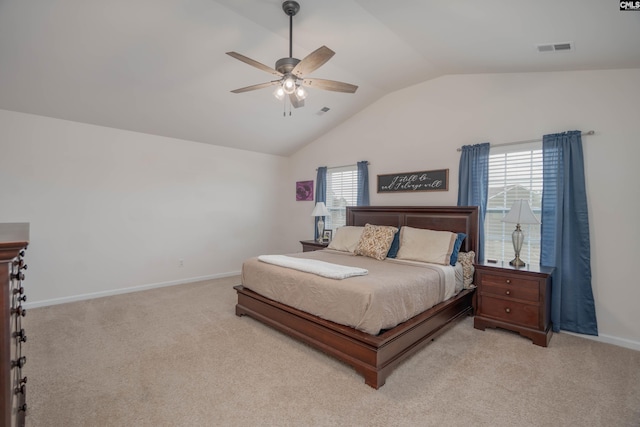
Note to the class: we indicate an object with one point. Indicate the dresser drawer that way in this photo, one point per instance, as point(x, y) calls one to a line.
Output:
point(509, 280)
point(510, 311)
point(511, 291)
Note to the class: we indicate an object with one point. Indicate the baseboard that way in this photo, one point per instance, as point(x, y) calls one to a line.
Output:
point(63, 300)
point(609, 339)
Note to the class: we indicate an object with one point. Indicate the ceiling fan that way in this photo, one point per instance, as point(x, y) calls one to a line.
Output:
point(291, 71)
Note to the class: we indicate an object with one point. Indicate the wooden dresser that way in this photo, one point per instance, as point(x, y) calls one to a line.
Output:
point(14, 239)
point(518, 299)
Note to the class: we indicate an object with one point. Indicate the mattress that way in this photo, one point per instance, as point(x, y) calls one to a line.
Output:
point(392, 292)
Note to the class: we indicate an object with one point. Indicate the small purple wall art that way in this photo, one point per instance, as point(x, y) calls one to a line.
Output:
point(304, 191)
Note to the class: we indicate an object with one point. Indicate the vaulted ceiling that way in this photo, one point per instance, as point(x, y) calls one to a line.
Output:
point(159, 66)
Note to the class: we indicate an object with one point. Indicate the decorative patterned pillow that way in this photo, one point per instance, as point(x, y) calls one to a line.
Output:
point(466, 259)
point(376, 241)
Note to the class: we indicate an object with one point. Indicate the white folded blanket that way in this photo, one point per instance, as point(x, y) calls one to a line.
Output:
point(321, 268)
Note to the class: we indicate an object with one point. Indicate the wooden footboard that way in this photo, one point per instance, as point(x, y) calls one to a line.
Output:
point(374, 357)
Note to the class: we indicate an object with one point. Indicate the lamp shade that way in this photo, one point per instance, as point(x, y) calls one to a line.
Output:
point(320, 210)
point(520, 213)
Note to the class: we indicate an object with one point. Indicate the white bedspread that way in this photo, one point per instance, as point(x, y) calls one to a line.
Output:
point(321, 268)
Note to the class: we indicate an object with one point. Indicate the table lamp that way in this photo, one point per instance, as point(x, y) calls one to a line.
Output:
point(520, 213)
point(320, 211)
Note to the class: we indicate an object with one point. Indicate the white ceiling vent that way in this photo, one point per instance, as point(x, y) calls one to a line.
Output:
point(556, 47)
point(323, 110)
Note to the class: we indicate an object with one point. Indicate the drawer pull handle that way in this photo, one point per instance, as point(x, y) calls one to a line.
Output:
point(19, 363)
point(20, 264)
point(508, 281)
point(19, 311)
point(20, 335)
point(507, 310)
point(508, 292)
point(18, 276)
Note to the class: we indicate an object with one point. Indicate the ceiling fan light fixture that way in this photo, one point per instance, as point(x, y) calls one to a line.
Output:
point(279, 93)
point(301, 93)
point(289, 85)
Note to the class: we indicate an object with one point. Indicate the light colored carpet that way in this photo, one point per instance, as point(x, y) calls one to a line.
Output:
point(179, 356)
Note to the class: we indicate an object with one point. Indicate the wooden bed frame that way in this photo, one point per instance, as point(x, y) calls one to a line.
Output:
point(375, 356)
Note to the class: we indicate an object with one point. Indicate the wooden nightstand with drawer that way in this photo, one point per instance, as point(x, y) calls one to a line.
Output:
point(517, 299)
point(312, 245)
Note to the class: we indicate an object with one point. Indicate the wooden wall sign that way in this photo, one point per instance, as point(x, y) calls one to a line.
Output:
point(436, 180)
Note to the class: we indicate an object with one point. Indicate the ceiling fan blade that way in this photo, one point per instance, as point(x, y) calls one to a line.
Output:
point(313, 61)
point(297, 103)
point(330, 85)
point(253, 63)
point(254, 87)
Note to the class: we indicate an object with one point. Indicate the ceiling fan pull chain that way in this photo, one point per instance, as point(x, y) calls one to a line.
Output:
point(284, 107)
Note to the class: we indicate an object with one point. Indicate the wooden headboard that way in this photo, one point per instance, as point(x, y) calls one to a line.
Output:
point(458, 219)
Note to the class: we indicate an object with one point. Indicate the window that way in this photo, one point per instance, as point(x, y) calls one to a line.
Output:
point(342, 191)
point(513, 174)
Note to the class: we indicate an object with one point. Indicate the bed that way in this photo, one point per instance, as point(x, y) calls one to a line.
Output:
point(375, 356)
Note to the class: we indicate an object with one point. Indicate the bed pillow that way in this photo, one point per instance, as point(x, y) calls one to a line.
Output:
point(456, 248)
point(376, 241)
point(395, 245)
point(466, 259)
point(424, 245)
point(346, 238)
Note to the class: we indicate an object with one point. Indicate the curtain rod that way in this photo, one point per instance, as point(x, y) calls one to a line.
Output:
point(343, 166)
point(529, 140)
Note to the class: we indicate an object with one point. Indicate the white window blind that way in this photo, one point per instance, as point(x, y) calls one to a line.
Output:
point(513, 175)
point(342, 191)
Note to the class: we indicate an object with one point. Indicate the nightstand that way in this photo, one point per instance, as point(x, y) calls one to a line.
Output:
point(312, 245)
point(517, 299)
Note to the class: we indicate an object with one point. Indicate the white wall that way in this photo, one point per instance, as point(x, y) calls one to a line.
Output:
point(116, 210)
point(421, 127)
